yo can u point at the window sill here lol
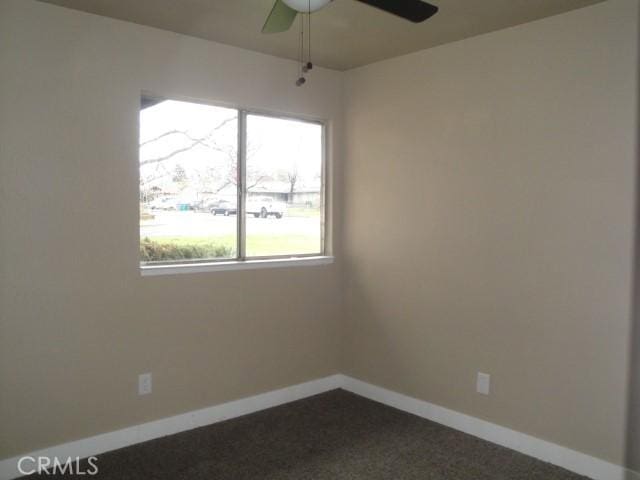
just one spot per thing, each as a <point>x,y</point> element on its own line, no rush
<point>154,270</point>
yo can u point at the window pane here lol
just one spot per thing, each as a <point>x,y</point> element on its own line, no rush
<point>284,187</point>
<point>188,182</point>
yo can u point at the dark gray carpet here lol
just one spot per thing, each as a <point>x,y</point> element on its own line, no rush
<point>333,436</point>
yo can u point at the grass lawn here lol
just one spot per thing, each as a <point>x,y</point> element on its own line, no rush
<point>187,248</point>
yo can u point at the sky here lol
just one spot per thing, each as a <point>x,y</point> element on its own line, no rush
<point>274,144</point>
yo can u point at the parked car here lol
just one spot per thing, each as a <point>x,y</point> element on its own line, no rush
<point>223,207</point>
<point>265,206</point>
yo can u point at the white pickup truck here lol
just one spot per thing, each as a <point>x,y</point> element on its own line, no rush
<point>265,206</point>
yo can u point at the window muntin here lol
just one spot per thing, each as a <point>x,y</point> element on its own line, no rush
<point>202,166</point>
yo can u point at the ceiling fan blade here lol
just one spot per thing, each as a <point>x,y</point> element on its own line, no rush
<point>414,10</point>
<point>280,19</point>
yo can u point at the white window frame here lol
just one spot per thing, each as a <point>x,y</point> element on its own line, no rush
<point>241,261</point>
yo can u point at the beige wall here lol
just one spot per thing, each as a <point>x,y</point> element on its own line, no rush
<point>633,421</point>
<point>78,322</point>
<point>488,199</point>
<point>489,222</point>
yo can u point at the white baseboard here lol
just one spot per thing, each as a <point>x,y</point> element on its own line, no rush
<point>534,447</point>
<point>549,452</point>
<point>168,426</point>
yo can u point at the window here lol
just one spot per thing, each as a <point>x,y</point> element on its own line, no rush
<point>221,184</point>
<point>283,180</point>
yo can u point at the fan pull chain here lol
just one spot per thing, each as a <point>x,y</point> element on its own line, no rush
<point>305,67</point>
<point>301,80</point>
<point>308,66</point>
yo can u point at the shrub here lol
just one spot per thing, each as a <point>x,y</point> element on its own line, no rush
<point>152,251</point>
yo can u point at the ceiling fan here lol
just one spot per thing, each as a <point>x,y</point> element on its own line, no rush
<point>284,12</point>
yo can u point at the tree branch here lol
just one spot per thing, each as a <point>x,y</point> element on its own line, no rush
<point>256,183</point>
<point>159,137</point>
<point>194,143</point>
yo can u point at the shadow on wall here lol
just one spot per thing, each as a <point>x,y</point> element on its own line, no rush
<point>633,418</point>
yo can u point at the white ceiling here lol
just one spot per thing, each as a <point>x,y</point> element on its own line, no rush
<point>346,33</point>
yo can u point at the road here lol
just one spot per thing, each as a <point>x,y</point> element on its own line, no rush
<point>200,224</point>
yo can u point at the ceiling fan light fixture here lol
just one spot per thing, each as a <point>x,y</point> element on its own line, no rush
<point>307,6</point>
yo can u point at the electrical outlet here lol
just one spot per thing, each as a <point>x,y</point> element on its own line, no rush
<point>144,384</point>
<point>483,383</point>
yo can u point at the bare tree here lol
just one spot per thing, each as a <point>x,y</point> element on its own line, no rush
<point>293,178</point>
<point>206,141</point>
<point>180,176</point>
<point>213,179</point>
<point>162,170</point>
